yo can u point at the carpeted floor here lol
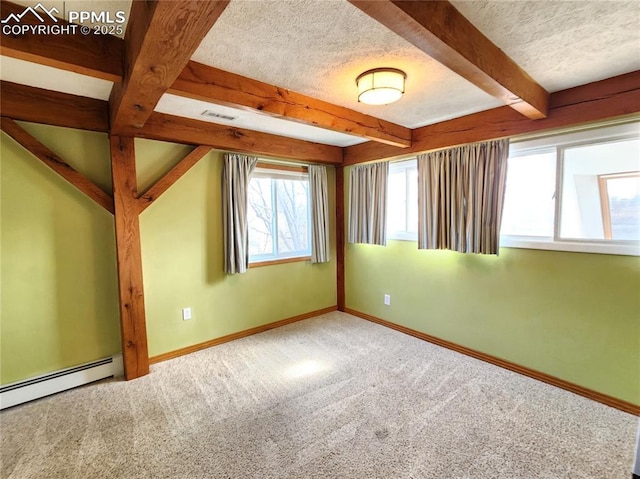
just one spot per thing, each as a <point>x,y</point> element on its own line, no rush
<point>329,397</point>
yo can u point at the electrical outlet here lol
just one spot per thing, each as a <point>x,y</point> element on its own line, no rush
<point>186,314</point>
<point>387,299</point>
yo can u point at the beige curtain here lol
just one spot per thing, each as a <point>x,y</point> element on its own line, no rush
<point>319,195</point>
<point>460,197</point>
<point>236,173</point>
<point>368,203</point>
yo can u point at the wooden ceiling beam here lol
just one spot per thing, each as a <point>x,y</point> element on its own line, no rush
<point>98,56</point>
<point>443,33</point>
<point>612,98</point>
<point>205,83</point>
<point>36,105</point>
<point>194,132</point>
<point>160,39</point>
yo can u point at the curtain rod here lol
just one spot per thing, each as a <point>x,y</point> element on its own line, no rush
<point>282,167</point>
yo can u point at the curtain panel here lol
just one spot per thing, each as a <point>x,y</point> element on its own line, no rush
<point>319,195</point>
<point>236,173</point>
<point>368,203</point>
<point>460,197</point>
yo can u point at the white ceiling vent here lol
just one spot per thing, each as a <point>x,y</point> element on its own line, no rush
<point>213,114</point>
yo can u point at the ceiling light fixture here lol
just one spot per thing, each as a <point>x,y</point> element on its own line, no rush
<point>380,86</point>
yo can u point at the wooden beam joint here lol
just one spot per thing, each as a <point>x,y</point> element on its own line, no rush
<point>161,37</point>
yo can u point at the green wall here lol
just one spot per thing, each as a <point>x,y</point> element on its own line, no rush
<point>59,303</point>
<point>572,315</point>
<point>182,265</point>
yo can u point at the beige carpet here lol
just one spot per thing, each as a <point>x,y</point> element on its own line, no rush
<point>330,397</point>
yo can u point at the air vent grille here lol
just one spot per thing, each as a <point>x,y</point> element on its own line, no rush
<point>213,114</point>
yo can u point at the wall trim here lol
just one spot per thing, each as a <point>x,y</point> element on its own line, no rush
<point>525,371</point>
<point>240,334</point>
<point>58,381</point>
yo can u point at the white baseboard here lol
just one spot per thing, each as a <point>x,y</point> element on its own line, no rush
<point>47,384</point>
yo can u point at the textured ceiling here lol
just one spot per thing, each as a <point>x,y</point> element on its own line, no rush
<point>562,44</point>
<point>319,48</point>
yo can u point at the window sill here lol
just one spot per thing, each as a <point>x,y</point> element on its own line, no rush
<point>259,264</point>
<point>550,245</point>
<point>570,246</point>
<point>402,236</point>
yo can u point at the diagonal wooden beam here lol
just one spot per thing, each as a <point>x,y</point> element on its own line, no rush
<point>205,83</point>
<point>194,132</point>
<point>616,97</point>
<point>443,33</point>
<point>57,164</point>
<point>161,37</point>
<point>164,183</point>
<point>36,105</point>
<point>99,56</point>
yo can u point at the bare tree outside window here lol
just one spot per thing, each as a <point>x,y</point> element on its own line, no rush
<point>278,217</point>
<point>260,217</point>
<point>293,215</point>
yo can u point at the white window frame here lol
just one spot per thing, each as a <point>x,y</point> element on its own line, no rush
<point>395,166</point>
<point>561,142</point>
<point>274,173</point>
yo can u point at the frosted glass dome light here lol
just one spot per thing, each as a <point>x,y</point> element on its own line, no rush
<point>380,86</point>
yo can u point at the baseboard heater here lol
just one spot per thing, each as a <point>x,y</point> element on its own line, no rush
<point>47,384</point>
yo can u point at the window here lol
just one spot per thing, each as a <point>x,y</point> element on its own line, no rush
<point>402,200</point>
<point>620,203</point>
<point>278,215</point>
<point>577,191</point>
<point>529,197</point>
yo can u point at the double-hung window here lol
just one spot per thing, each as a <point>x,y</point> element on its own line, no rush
<point>278,214</point>
<point>577,191</point>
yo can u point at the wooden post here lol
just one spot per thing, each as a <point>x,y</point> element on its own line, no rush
<point>129,255</point>
<point>340,243</point>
